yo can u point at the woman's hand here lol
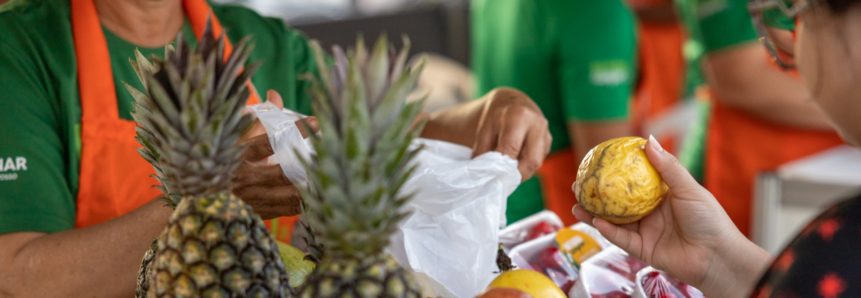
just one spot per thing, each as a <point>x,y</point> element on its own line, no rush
<point>504,120</point>
<point>261,185</point>
<point>689,235</point>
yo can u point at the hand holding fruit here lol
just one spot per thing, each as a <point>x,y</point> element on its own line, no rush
<point>616,182</point>
<point>541,229</point>
<point>688,235</point>
<point>261,185</point>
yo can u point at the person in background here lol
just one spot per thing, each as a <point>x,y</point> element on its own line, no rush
<point>661,66</point>
<point>761,117</point>
<point>77,210</point>
<point>576,60</point>
<point>692,238</point>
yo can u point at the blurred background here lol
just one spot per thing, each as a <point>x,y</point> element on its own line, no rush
<point>783,194</point>
<point>438,30</point>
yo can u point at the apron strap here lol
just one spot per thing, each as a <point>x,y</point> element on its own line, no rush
<point>197,12</point>
<point>98,95</point>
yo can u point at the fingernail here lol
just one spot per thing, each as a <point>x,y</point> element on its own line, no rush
<point>657,145</point>
<point>593,221</point>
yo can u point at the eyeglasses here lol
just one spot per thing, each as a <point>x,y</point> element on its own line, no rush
<point>779,14</point>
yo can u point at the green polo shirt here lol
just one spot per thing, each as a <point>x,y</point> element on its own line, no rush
<point>40,109</point>
<point>574,58</point>
<point>712,25</point>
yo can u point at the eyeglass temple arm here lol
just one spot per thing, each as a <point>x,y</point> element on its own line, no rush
<point>759,6</point>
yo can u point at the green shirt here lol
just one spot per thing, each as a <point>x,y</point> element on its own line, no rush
<point>574,58</point>
<point>712,25</point>
<point>40,109</point>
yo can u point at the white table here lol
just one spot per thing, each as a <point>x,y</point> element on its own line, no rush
<point>787,199</point>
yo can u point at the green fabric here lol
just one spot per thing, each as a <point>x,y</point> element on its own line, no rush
<point>119,50</point>
<point>775,18</point>
<point>712,25</point>
<point>692,156</point>
<point>574,58</point>
<point>526,200</point>
<point>724,23</point>
<point>40,107</point>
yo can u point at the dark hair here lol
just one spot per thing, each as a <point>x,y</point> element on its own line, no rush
<point>841,6</point>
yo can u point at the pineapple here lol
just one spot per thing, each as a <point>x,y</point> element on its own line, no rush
<point>189,120</point>
<point>363,157</point>
<point>145,271</point>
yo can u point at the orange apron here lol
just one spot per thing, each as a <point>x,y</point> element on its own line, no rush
<point>740,145</point>
<point>557,174</point>
<point>660,75</point>
<point>114,179</point>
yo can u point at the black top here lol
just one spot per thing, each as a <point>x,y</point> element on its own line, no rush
<point>823,261</point>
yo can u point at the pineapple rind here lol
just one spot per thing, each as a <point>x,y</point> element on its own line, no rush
<point>201,261</point>
<point>378,276</point>
<point>189,120</point>
<point>145,271</point>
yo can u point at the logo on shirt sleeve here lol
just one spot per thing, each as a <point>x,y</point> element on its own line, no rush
<point>609,73</point>
<point>708,8</point>
<point>10,166</point>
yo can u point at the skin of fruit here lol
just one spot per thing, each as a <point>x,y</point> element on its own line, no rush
<point>504,293</point>
<point>528,281</point>
<point>541,229</point>
<point>547,259</point>
<point>616,182</point>
<point>294,261</point>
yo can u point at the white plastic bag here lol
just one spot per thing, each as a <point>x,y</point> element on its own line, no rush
<point>284,136</point>
<point>450,239</point>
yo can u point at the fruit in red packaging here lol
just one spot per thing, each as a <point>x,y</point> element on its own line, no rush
<point>560,278</point>
<point>567,286</point>
<point>541,229</point>
<point>624,269</point>
<point>614,294</point>
<point>689,291</point>
<point>550,258</point>
<point>504,293</point>
<point>657,286</point>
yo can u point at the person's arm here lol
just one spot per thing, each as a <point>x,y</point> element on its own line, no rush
<point>97,261</point>
<point>504,120</point>
<point>737,69</point>
<point>597,72</point>
<point>689,235</point>
<point>41,254</point>
<point>587,135</point>
<point>742,78</point>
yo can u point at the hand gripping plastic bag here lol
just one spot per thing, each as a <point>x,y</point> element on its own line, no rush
<point>284,136</point>
<point>451,238</point>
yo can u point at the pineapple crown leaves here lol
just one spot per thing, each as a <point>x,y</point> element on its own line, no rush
<point>189,119</point>
<point>363,153</point>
